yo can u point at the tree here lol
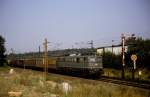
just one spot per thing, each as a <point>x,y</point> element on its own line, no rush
<point>111,60</point>
<point>2,51</point>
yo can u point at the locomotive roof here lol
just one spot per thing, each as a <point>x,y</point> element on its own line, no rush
<point>79,56</point>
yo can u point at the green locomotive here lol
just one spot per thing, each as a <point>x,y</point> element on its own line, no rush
<point>83,65</point>
<point>78,65</point>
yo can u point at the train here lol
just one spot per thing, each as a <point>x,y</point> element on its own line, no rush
<point>89,65</point>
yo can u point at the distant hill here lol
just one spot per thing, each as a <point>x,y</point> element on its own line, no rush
<point>65,52</point>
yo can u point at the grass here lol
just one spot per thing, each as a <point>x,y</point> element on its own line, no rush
<point>31,83</point>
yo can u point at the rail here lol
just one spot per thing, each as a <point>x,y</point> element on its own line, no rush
<point>125,82</point>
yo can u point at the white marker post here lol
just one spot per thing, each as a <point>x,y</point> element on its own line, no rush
<point>140,74</point>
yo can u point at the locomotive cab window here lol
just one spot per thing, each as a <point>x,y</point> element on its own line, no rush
<point>92,59</point>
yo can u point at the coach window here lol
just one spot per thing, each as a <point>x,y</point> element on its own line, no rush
<point>58,59</point>
<point>74,60</point>
<point>78,60</point>
<point>69,59</point>
<point>63,59</point>
<point>81,59</point>
<point>85,59</point>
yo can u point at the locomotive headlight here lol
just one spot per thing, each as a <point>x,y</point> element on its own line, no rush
<point>96,64</point>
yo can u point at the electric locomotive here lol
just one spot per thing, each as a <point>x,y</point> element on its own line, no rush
<point>89,65</point>
<point>81,65</point>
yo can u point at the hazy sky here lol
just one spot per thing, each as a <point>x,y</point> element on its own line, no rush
<point>25,23</point>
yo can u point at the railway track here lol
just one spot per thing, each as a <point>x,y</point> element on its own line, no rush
<point>125,82</point>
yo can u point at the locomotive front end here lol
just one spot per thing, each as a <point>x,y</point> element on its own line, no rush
<point>95,65</point>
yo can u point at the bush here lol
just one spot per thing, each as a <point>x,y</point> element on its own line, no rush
<point>111,60</point>
<point>2,51</point>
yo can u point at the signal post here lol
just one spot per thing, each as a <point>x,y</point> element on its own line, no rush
<point>45,58</point>
<point>133,58</point>
<point>123,56</point>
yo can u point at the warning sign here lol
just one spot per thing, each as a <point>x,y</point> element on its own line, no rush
<point>133,57</point>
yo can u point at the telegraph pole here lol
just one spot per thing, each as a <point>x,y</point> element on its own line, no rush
<point>12,55</point>
<point>123,56</point>
<point>91,43</point>
<point>45,58</point>
<point>39,51</point>
<point>112,46</point>
<point>103,54</point>
<point>112,52</point>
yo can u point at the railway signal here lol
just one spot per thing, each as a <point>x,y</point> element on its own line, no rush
<point>133,58</point>
<point>123,52</point>
<point>123,56</point>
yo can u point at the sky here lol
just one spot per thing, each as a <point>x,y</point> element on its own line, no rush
<point>71,23</point>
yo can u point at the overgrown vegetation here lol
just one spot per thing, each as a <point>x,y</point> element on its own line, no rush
<point>141,48</point>
<point>31,84</point>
